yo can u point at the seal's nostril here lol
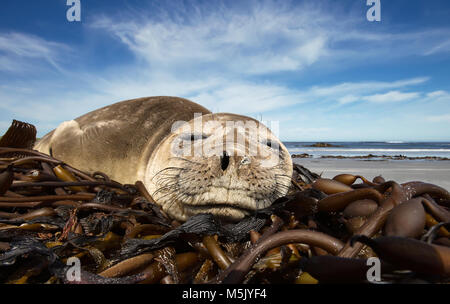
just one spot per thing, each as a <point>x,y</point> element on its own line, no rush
<point>224,160</point>
<point>245,160</point>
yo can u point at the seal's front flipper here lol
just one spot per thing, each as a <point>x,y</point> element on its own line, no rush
<point>20,135</point>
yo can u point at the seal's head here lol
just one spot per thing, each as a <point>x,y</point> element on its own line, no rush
<point>225,164</point>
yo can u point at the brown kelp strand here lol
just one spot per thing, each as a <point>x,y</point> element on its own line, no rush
<point>410,254</point>
<point>418,188</point>
<point>205,273</point>
<point>330,186</point>
<point>378,180</point>
<point>445,241</point>
<point>222,260</point>
<point>20,205</point>
<point>105,208</point>
<point>407,219</point>
<point>102,175</point>
<point>435,230</point>
<point>40,176</point>
<point>360,208</point>
<point>6,179</point>
<point>254,236</point>
<point>31,159</point>
<point>349,179</point>
<point>48,170</point>
<point>155,272</point>
<point>277,223</point>
<point>353,224</point>
<point>45,198</point>
<point>145,229</point>
<point>376,221</point>
<point>8,215</point>
<point>45,211</point>
<point>337,202</point>
<point>140,186</point>
<point>67,176</point>
<point>80,173</point>
<point>437,211</point>
<point>4,246</point>
<point>127,266</point>
<point>69,184</point>
<point>8,150</point>
<point>243,265</point>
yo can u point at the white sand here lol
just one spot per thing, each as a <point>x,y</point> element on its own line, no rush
<point>436,172</point>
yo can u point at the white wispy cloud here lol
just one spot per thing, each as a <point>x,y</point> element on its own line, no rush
<point>348,99</point>
<point>440,47</point>
<point>271,37</point>
<point>364,91</point>
<point>391,96</point>
<point>217,94</point>
<point>9,65</point>
<point>438,118</point>
<point>16,48</point>
<point>268,37</point>
<point>397,43</point>
<point>26,45</point>
<point>364,87</point>
<point>438,96</point>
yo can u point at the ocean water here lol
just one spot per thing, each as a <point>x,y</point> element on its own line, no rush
<point>389,148</point>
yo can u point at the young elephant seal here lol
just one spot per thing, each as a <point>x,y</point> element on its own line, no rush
<point>191,160</point>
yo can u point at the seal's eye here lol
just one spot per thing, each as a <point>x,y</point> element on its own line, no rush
<point>267,142</point>
<point>272,145</point>
<point>198,136</point>
<point>193,137</point>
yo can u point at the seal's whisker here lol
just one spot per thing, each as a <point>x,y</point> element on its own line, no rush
<point>170,177</point>
<point>165,181</point>
<point>283,175</point>
<point>167,169</point>
<point>165,188</point>
<point>282,185</point>
<point>186,160</point>
<point>168,197</point>
<point>175,197</point>
<point>278,166</point>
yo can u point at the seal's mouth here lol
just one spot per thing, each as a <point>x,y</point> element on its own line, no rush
<point>226,212</point>
<point>215,206</point>
<point>217,198</point>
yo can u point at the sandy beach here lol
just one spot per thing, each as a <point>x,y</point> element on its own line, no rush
<point>436,172</point>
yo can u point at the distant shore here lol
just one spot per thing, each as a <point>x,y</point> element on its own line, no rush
<point>372,157</point>
<point>323,145</point>
<point>435,172</point>
<point>373,151</point>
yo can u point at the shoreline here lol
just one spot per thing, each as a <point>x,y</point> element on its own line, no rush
<point>371,157</point>
<point>435,172</point>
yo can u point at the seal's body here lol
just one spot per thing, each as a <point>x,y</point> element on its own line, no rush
<point>201,165</point>
<point>118,139</point>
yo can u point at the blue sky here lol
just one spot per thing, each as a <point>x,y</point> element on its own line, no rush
<point>319,68</point>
